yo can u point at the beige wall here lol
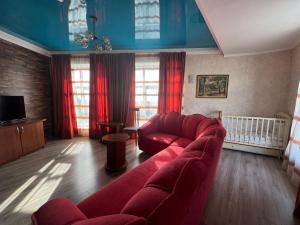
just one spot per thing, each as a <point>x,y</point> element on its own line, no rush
<point>294,80</point>
<point>258,85</point>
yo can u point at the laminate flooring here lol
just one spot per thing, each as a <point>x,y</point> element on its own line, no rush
<point>248,190</point>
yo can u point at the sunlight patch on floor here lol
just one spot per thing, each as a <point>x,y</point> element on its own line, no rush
<point>24,186</point>
<point>44,189</point>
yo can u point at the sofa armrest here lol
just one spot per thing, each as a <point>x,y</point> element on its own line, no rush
<point>116,219</point>
<point>150,127</point>
<point>60,211</point>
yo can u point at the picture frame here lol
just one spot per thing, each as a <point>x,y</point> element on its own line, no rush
<point>212,86</point>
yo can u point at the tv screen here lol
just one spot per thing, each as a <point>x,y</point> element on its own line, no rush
<point>11,108</point>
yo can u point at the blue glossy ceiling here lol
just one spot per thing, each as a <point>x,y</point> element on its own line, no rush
<point>45,23</point>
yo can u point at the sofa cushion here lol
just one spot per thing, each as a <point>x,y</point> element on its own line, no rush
<point>118,192</point>
<point>117,219</point>
<point>155,142</point>
<point>171,123</point>
<point>214,130</point>
<point>161,205</point>
<point>145,201</point>
<point>162,138</point>
<point>179,207</point>
<point>204,124</point>
<point>166,177</point>
<point>181,142</point>
<point>58,211</point>
<point>203,146</point>
<point>190,124</point>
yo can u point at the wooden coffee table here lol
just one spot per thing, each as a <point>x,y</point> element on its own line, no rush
<point>116,151</point>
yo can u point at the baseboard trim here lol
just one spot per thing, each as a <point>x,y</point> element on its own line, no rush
<point>252,149</point>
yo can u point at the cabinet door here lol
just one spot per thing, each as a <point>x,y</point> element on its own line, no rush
<point>32,137</point>
<point>10,144</point>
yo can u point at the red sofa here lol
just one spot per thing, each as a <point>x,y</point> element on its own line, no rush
<point>170,188</point>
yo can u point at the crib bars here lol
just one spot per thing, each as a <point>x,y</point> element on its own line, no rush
<point>263,132</point>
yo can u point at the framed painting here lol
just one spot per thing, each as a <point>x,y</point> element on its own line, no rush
<point>212,86</point>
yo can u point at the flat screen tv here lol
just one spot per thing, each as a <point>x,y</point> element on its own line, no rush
<point>12,108</point>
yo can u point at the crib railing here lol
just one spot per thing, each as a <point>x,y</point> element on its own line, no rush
<point>257,131</point>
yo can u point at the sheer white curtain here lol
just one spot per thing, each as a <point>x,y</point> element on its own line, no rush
<point>292,154</point>
<point>77,18</point>
<point>80,67</point>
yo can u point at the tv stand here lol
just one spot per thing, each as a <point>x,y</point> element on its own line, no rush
<point>19,138</point>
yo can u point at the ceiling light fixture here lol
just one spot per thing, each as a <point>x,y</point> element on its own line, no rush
<point>89,38</point>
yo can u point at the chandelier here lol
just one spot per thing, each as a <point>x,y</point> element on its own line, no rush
<point>88,39</point>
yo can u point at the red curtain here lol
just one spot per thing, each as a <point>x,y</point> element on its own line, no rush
<point>171,76</point>
<point>112,91</point>
<point>99,110</point>
<point>64,119</point>
<point>121,71</point>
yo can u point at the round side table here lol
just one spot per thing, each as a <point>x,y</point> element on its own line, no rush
<point>116,151</point>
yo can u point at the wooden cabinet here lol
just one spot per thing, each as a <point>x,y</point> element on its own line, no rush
<point>10,144</point>
<point>32,137</point>
<point>20,139</point>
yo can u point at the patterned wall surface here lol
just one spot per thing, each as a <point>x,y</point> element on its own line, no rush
<point>295,77</point>
<point>258,85</point>
<point>25,73</point>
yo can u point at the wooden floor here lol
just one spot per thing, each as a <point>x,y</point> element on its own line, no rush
<point>248,190</point>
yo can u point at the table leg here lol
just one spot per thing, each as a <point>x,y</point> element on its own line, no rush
<point>116,156</point>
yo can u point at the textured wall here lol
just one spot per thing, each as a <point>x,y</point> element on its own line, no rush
<point>258,85</point>
<point>25,73</point>
<point>295,77</point>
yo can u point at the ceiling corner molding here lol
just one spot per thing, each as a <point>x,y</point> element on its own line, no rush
<point>203,51</point>
<point>258,53</point>
<point>189,51</point>
<point>25,44</point>
<point>297,43</point>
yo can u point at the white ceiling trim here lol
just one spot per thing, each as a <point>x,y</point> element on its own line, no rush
<point>20,42</point>
<point>189,51</point>
<point>259,53</point>
<point>25,44</point>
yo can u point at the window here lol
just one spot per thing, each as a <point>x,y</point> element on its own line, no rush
<point>146,86</point>
<point>147,19</point>
<point>81,89</point>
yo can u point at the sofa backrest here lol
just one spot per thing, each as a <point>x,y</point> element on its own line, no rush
<point>190,124</point>
<point>209,126</point>
<point>171,123</point>
<point>174,185</point>
<point>182,184</point>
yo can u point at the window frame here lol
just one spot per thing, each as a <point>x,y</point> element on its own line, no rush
<point>145,68</point>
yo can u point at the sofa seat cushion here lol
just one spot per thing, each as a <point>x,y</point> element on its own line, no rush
<point>155,142</point>
<point>181,142</point>
<point>162,138</point>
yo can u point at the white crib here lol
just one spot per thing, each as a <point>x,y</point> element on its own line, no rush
<point>261,135</point>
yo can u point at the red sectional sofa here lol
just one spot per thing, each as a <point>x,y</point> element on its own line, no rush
<point>170,188</point>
